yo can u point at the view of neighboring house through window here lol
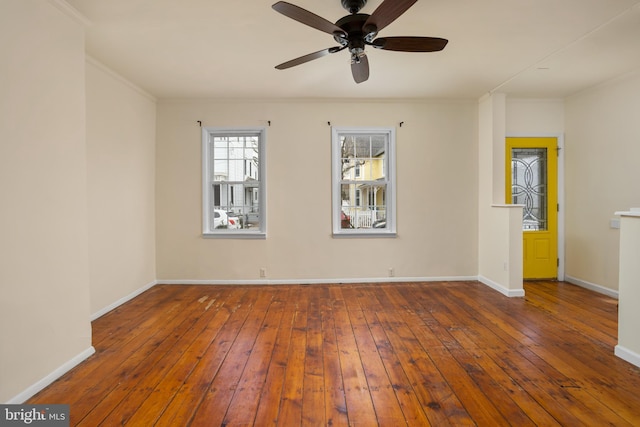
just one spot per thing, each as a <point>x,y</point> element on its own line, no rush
<point>363,181</point>
<point>233,182</point>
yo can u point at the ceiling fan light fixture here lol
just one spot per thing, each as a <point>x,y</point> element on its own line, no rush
<point>356,57</point>
<point>370,31</point>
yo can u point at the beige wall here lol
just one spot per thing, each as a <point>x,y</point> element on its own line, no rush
<point>436,196</point>
<point>44,308</point>
<point>534,117</point>
<point>121,179</point>
<point>499,229</point>
<point>602,145</point>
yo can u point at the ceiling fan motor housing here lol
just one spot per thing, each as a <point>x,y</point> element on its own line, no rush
<point>352,25</point>
<point>353,6</point>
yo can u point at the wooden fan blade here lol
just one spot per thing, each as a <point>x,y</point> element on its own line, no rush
<point>387,12</point>
<point>410,44</point>
<point>360,69</point>
<point>308,57</point>
<point>308,18</point>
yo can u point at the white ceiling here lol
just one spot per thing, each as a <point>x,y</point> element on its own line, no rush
<point>228,48</point>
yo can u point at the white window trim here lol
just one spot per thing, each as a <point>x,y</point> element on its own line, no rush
<point>260,233</point>
<point>389,166</point>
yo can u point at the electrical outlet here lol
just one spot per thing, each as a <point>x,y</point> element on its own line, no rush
<point>392,272</point>
<point>263,272</point>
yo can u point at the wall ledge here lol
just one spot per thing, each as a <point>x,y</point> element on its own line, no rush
<point>635,212</point>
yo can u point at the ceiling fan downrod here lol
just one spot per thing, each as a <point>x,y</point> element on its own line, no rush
<point>353,6</point>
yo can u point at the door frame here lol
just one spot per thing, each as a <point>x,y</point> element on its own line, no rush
<point>561,230</point>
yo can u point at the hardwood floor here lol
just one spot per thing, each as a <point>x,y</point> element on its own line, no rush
<point>417,354</point>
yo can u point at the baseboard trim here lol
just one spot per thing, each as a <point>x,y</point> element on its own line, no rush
<point>591,286</point>
<point>122,300</point>
<point>628,355</point>
<point>511,293</point>
<point>44,382</point>
<point>317,281</point>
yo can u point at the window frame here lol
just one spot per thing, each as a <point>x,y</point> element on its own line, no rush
<point>389,167</point>
<point>207,181</point>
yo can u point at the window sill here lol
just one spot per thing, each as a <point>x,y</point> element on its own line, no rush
<point>235,235</point>
<point>365,234</point>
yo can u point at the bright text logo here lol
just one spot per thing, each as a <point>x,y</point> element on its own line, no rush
<point>34,415</point>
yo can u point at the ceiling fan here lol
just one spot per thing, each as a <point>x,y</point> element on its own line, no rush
<point>357,30</point>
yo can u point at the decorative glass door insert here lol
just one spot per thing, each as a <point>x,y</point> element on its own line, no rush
<point>529,185</point>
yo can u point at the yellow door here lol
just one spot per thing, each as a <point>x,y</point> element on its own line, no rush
<point>531,179</point>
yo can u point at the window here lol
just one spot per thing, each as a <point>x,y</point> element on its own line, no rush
<point>233,184</point>
<point>363,181</point>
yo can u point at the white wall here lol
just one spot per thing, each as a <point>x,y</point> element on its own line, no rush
<point>499,225</point>
<point>534,117</point>
<point>44,275</point>
<point>436,193</point>
<point>121,122</point>
<point>602,145</point>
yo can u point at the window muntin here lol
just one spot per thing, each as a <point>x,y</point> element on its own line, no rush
<point>363,181</point>
<point>233,182</point>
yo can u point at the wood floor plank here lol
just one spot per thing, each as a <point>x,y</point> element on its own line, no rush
<point>356,389</point>
<point>516,404</point>
<point>437,399</point>
<point>126,398</point>
<point>601,330</point>
<point>165,391</point>
<point>438,353</point>
<point>269,405</point>
<point>400,384</point>
<point>385,402</point>
<point>187,400</point>
<point>593,369</point>
<point>481,408</point>
<point>213,407</point>
<point>130,358</point>
<point>336,404</point>
<point>313,408</point>
<point>290,412</point>
<point>243,406</point>
<point>130,313</point>
<point>557,383</point>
